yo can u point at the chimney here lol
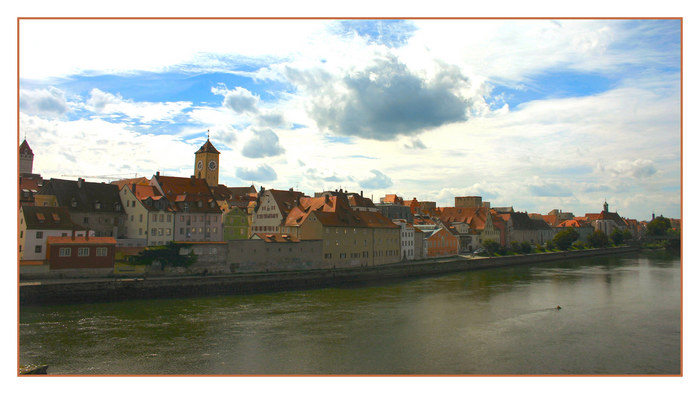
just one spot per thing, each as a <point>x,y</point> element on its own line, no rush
<point>72,235</point>
<point>87,234</point>
<point>157,174</point>
<point>291,189</point>
<point>361,193</point>
<point>80,182</point>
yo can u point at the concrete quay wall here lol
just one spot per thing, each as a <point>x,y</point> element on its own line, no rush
<point>87,290</point>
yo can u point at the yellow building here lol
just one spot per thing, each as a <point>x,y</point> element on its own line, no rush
<point>350,238</point>
<point>206,164</point>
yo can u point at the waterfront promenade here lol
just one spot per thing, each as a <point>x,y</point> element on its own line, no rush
<point>39,292</point>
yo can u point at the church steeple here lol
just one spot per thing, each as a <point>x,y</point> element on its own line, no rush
<point>206,163</point>
<point>26,158</point>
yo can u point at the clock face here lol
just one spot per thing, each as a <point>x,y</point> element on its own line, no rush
<point>212,165</point>
<point>199,165</point>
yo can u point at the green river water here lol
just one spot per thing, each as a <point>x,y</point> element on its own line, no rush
<point>619,315</point>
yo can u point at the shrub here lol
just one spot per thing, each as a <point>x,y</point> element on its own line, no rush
<point>598,239</point>
<point>564,239</point>
<point>525,247</point>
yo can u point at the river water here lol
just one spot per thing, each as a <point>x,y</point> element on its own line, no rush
<point>619,315</point>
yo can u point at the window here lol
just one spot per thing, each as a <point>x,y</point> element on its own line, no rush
<point>140,231</point>
<point>85,220</point>
<point>37,249</point>
<point>161,217</point>
<point>168,231</point>
<point>160,231</point>
<point>39,234</point>
<point>170,217</point>
<point>84,252</point>
<point>153,232</point>
<point>21,234</point>
<point>101,251</point>
<point>141,218</point>
<point>64,252</point>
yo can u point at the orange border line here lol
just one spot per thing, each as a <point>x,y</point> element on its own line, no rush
<point>355,18</point>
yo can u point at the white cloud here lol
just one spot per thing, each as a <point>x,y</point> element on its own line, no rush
<point>109,104</point>
<point>49,102</point>
<point>263,144</point>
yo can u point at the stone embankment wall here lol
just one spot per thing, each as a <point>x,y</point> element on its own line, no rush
<point>86,290</point>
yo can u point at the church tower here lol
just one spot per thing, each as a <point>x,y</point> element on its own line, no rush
<point>206,163</point>
<point>26,158</point>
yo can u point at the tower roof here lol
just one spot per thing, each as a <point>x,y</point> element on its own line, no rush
<point>24,148</point>
<point>208,147</point>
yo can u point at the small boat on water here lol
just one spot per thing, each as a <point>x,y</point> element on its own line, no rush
<point>33,369</point>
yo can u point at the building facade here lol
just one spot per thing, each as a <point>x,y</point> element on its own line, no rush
<point>36,224</point>
<point>197,217</point>
<point>77,252</point>
<point>95,206</point>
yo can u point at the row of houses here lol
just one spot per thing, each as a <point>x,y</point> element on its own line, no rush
<point>244,229</point>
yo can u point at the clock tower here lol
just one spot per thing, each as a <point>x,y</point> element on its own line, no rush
<point>206,163</point>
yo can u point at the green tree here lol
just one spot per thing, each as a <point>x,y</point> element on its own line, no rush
<point>617,236</point>
<point>565,238</point>
<point>525,247</point>
<point>598,239</point>
<point>166,255</point>
<point>491,246</point>
<point>515,247</point>
<point>658,226</point>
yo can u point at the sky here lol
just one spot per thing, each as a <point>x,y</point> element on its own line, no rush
<point>536,114</point>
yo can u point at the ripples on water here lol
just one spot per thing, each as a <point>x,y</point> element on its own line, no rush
<point>619,315</point>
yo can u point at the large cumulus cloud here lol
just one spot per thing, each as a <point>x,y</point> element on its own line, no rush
<point>264,143</point>
<point>384,100</point>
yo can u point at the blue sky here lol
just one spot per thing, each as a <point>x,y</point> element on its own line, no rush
<point>535,114</point>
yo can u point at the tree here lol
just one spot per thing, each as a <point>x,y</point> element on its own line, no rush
<point>525,247</point>
<point>565,238</point>
<point>597,239</point>
<point>658,226</point>
<point>166,255</point>
<point>515,247</point>
<point>491,246</point>
<point>617,236</point>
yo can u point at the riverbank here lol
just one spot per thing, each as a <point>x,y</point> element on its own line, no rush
<point>111,289</point>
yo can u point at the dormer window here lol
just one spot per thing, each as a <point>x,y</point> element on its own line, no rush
<point>199,204</point>
<point>73,203</point>
<point>117,207</point>
<point>98,205</point>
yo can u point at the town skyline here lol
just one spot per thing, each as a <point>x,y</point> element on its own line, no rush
<point>589,112</point>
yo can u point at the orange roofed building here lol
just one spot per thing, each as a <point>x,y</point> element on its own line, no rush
<point>197,216</point>
<point>76,252</point>
<point>479,221</point>
<point>350,238</point>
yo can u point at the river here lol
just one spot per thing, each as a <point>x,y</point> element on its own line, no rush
<point>619,315</point>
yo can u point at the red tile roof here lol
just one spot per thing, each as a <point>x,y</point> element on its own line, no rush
<point>278,238</point>
<point>474,217</point>
<point>80,240</point>
<point>189,193</point>
<point>130,181</point>
<point>333,211</point>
